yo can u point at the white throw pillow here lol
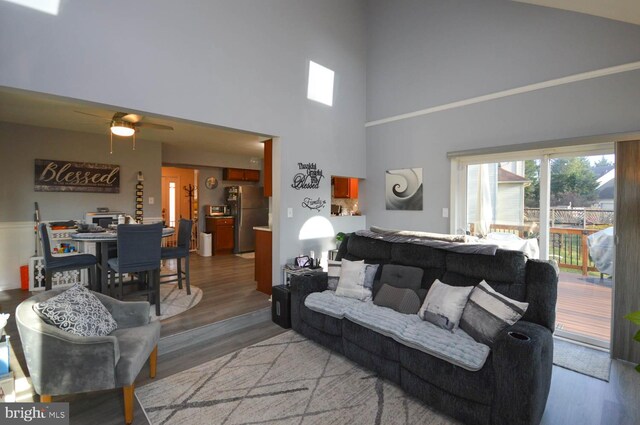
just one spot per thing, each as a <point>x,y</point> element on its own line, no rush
<point>444,305</point>
<point>351,283</point>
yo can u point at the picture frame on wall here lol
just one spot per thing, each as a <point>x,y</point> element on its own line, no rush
<point>403,189</point>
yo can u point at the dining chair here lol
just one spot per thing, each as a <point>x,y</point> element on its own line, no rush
<point>138,253</point>
<point>55,264</point>
<point>179,252</point>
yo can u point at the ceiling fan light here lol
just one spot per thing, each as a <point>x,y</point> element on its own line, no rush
<point>122,128</point>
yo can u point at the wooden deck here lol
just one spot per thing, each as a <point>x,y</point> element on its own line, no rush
<point>584,305</point>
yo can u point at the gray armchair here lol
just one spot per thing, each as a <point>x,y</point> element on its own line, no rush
<point>62,363</point>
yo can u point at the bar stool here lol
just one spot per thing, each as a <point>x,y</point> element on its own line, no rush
<point>55,264</point>
<point>138,252</point>
<point>179,252</point>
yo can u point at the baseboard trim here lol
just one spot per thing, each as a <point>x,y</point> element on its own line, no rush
<point>183,340</point>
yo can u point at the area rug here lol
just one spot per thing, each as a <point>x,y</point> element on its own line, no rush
<point>581,359</point>
<point>174,301</point>
<point>287,379</point>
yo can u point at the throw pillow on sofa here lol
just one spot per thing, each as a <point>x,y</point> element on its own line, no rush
<point>78,312</point>
<point>351,283</point>
<point>333,274</point>
<point>488,312</point>
<point>402,300</point>
<point>444,305</point>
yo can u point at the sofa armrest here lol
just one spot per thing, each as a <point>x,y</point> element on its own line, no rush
<point>522,362</point>
<point>301,286</point>
<point>128,314</point>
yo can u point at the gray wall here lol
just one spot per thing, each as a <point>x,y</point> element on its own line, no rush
<point>427,53</point>
<point>20,145</point>
<point>239,64</point>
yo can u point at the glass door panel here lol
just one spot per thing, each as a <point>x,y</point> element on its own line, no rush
<point>581,242</point>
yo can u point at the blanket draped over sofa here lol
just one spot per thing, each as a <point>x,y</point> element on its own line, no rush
<point>507,384</point>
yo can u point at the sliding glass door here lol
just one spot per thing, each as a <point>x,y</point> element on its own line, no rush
<point>581,216</point>
<point>557,206</point>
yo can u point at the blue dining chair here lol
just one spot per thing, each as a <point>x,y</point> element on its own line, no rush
<point>179,252</point>
<point>55,264</point>
<point>138,252</point>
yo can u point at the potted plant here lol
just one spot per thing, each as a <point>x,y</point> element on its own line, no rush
<point>635,318</point>
<point>339,238</point>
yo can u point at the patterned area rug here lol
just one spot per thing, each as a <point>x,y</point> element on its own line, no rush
<point>581,359</point>
<point>283,380</point>
<point>174,301</point>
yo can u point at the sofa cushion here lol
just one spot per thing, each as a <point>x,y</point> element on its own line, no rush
<point>402,300</point>
<point>444,305</point>
<point>400,277</point>
<point>78,312</point>
<point>488,312</point>
<point>457,348</point>
<point>375,251</point>
<point>322,322</point>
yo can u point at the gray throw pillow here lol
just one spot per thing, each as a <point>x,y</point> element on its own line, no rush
<point>402,300</point>
<point>488,312</point>
<point>78,312</point>
<point>444,305</point>
<point>370,275</point>
<point>333,272</point>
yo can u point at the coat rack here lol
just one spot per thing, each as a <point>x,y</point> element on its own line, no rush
<point>190,190</point>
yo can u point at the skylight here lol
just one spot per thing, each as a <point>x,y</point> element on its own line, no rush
<point>320,84</point>
<point>47,6</point>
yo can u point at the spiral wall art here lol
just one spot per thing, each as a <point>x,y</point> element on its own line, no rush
<point>403,189</point>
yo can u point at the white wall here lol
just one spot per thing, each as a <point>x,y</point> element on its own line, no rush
<point>239,64</point>
<point>425,53</point>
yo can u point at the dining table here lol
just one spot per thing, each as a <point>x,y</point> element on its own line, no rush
<point>103,239</point>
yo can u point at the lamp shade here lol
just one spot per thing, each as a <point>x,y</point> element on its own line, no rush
<point>122,128</point>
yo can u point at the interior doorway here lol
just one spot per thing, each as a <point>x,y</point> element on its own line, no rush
<point>180,200</point>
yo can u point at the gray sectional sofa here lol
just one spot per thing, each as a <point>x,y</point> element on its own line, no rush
<point>512,386</point>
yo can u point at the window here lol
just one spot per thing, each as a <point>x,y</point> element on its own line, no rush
<point>320,86</point>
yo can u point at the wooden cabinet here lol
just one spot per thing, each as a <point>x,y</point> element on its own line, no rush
<point>263,268</point>
<point>345,187</point>
<point>268,168</point>
<point>241,174</point>
<point>223,234</point>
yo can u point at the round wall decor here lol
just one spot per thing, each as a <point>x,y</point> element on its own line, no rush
<point>211,183</point>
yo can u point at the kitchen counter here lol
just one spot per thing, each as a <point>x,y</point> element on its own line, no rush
<point>263,228</point>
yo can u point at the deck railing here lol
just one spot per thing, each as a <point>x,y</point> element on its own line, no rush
<point>568,246</point>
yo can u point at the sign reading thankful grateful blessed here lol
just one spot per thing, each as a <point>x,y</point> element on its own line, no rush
<point>66,176</point>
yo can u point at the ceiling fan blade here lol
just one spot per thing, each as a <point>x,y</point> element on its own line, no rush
<point>154,126</point>
<point>133,118</point>
<point>90,114</point>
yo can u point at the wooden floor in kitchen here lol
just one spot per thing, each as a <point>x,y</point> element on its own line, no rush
<point>228,290</point>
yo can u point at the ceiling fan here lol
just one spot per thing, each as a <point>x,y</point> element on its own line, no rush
<point>124,124</point>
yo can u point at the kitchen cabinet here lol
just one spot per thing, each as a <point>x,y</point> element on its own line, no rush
<point>241,174</point>
<point>222,230</point>
<point>263,268</point>
<point>268,168</point>
<point>345,187</point>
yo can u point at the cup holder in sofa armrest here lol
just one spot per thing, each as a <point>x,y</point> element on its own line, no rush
<point>518,336</point>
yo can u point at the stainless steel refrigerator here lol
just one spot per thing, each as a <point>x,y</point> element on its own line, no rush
<point>250,208</point>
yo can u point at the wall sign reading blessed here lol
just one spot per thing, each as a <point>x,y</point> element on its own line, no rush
<point>308,178</point>
<point>66,176</point>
